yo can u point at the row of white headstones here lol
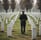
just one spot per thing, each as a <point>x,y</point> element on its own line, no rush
<point>35,15</point>
<point>33,25</point>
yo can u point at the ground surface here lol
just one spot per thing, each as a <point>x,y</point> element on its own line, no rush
<point>16,34</point>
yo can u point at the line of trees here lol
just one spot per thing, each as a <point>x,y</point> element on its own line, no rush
<point>6,5</point>
<point>39,4</point>
<point>0,6</point>
<point>23,4</point>
<point>13,4</point>
<point>26,4</point>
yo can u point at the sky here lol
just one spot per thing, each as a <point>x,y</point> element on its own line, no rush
<point>35,1</point>
<point>18,1</point>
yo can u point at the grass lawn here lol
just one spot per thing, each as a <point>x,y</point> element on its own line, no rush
<point>17,33</point>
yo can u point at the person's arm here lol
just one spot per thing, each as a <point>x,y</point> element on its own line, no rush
<point>26,17</point>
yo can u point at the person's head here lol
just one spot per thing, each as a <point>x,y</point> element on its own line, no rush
<point>22,12</point>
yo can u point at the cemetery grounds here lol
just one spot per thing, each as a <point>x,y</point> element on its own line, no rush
<point>16,33</point>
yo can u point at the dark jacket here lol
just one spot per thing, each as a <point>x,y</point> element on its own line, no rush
<point>23,19</point>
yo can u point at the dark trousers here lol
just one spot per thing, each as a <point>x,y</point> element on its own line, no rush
<point>23,29</point>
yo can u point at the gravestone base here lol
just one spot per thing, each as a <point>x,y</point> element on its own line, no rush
<point>10,36</point>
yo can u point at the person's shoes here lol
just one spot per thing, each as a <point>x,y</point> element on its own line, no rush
<point>23,32</point>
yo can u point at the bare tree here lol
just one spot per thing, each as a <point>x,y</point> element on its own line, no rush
<point>39,4</point>
<point>22,5</point>
<point>26,4</point>
<point>6,5</point>
<point>13,5</point>
<point>0,6</point>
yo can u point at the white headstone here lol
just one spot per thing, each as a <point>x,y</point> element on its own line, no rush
<point>2,26</point>
<point>6,21</point>
<point>33,28</point>
<point>39,27</point>
<point>10,26</point>
<point>34,33</point>
<point>9,29</point>
<point>40,24</point>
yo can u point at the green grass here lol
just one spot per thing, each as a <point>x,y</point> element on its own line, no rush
<point>17,33</point>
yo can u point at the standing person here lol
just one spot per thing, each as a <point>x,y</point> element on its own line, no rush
<point>23,19</point>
